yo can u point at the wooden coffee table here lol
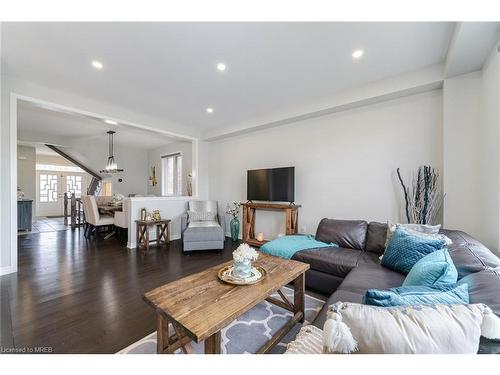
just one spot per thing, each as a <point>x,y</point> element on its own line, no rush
<point>200,305</point>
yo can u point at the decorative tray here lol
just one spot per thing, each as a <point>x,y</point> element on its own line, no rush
<point>226,275</point>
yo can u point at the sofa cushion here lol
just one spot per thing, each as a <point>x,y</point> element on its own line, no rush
<point>468,254</point>
<point>207,232</point>
<point>375,237</point>
<point>362,278</point>
<point>336,261</point>
<point>484,287</point>
<point>357,282</point>
<point>345,233</point>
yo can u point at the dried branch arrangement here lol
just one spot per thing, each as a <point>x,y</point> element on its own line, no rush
<point>423,199</point>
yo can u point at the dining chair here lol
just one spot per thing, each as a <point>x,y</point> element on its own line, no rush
<point>93,218</point>
<point>120,218</point>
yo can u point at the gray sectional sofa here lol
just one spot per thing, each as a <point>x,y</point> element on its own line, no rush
<point>347,272</point>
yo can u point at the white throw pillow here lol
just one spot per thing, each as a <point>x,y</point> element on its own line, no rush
<point>309,340</point>
<point>420,329</point>
<point>202,216</point>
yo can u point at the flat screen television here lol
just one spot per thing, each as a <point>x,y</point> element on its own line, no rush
<point>274,184</point>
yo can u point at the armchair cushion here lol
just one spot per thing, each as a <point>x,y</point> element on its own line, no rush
<point>203,224</point>
<point>203,233</point>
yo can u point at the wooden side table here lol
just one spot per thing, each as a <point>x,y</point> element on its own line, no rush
<point>142,232</point>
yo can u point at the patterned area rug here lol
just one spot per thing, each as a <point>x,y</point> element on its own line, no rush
<point>249,332</point>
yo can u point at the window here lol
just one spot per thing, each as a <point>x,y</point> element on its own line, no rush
<point>58,168</point>
<point>171,168</point>
<point>48,187</point>
<point>74,185</point>
<point>107,189</point>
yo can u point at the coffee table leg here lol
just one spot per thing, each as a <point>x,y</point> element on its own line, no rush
<point>213,344</point>
<point>161,334</point>
<point>299,295</point>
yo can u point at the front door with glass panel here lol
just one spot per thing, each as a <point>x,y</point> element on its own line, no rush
<point>52,185</point>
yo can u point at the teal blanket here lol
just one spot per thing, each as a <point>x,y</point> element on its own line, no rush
<point>286,246</point>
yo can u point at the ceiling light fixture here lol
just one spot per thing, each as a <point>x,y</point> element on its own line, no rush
<point>210,110</point>
<point>221,67</point>
<point>357,54</point>
<point>111,166</point>
<point>110,122</point>
<point>97,64</point>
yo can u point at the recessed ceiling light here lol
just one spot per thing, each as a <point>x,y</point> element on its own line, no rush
<point>210,110</point>
<point>221,67</point>
<point>357,54</point>
<point>97,64</point>
<point>111,122</point>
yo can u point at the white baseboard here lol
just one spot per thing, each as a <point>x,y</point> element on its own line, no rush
<point>7,270</point>
<point>133,245</point>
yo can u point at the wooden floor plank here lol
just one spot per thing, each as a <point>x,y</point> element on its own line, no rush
<point>85,296</point>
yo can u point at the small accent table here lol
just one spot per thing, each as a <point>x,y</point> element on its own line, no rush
<point>142,232</point>
<point>291,219</point>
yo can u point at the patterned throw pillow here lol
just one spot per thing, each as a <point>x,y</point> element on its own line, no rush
<point>425,229</point>
<point>435,269</point>
<point>202,216</point>
<point>309,340</point>
<point>405,249</point>
<point>418,295</point>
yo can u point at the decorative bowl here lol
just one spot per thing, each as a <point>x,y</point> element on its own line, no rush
<point>226,274</point>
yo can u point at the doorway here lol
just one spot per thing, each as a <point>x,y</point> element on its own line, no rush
<point>51,186</point>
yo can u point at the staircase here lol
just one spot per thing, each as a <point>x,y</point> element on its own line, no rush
<point>95,183</point>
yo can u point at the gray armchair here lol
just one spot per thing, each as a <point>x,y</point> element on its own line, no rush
<point>202,228</point>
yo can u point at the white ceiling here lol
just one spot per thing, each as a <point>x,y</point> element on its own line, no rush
<point>168,70</point>
<point>36,121</point>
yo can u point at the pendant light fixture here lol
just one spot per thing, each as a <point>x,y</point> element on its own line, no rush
<point>111,166</point>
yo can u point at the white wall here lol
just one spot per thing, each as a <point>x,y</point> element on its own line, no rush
<point>133,160</point>
<point>461,113</point>
<point>26,173</point>
<point>345,163</point>
<point>52,159</point>
<point>170,208</point>
<point>154,159</point>
<point>489,156</point>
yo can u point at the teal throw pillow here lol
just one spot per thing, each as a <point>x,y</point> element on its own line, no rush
<point>456,294</point>
<point>435,269</point>
<point>405,249</point>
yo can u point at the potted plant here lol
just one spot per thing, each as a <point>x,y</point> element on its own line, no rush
<point>234,225</point>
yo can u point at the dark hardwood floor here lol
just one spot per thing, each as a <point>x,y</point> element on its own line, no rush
<point>85,296</point>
